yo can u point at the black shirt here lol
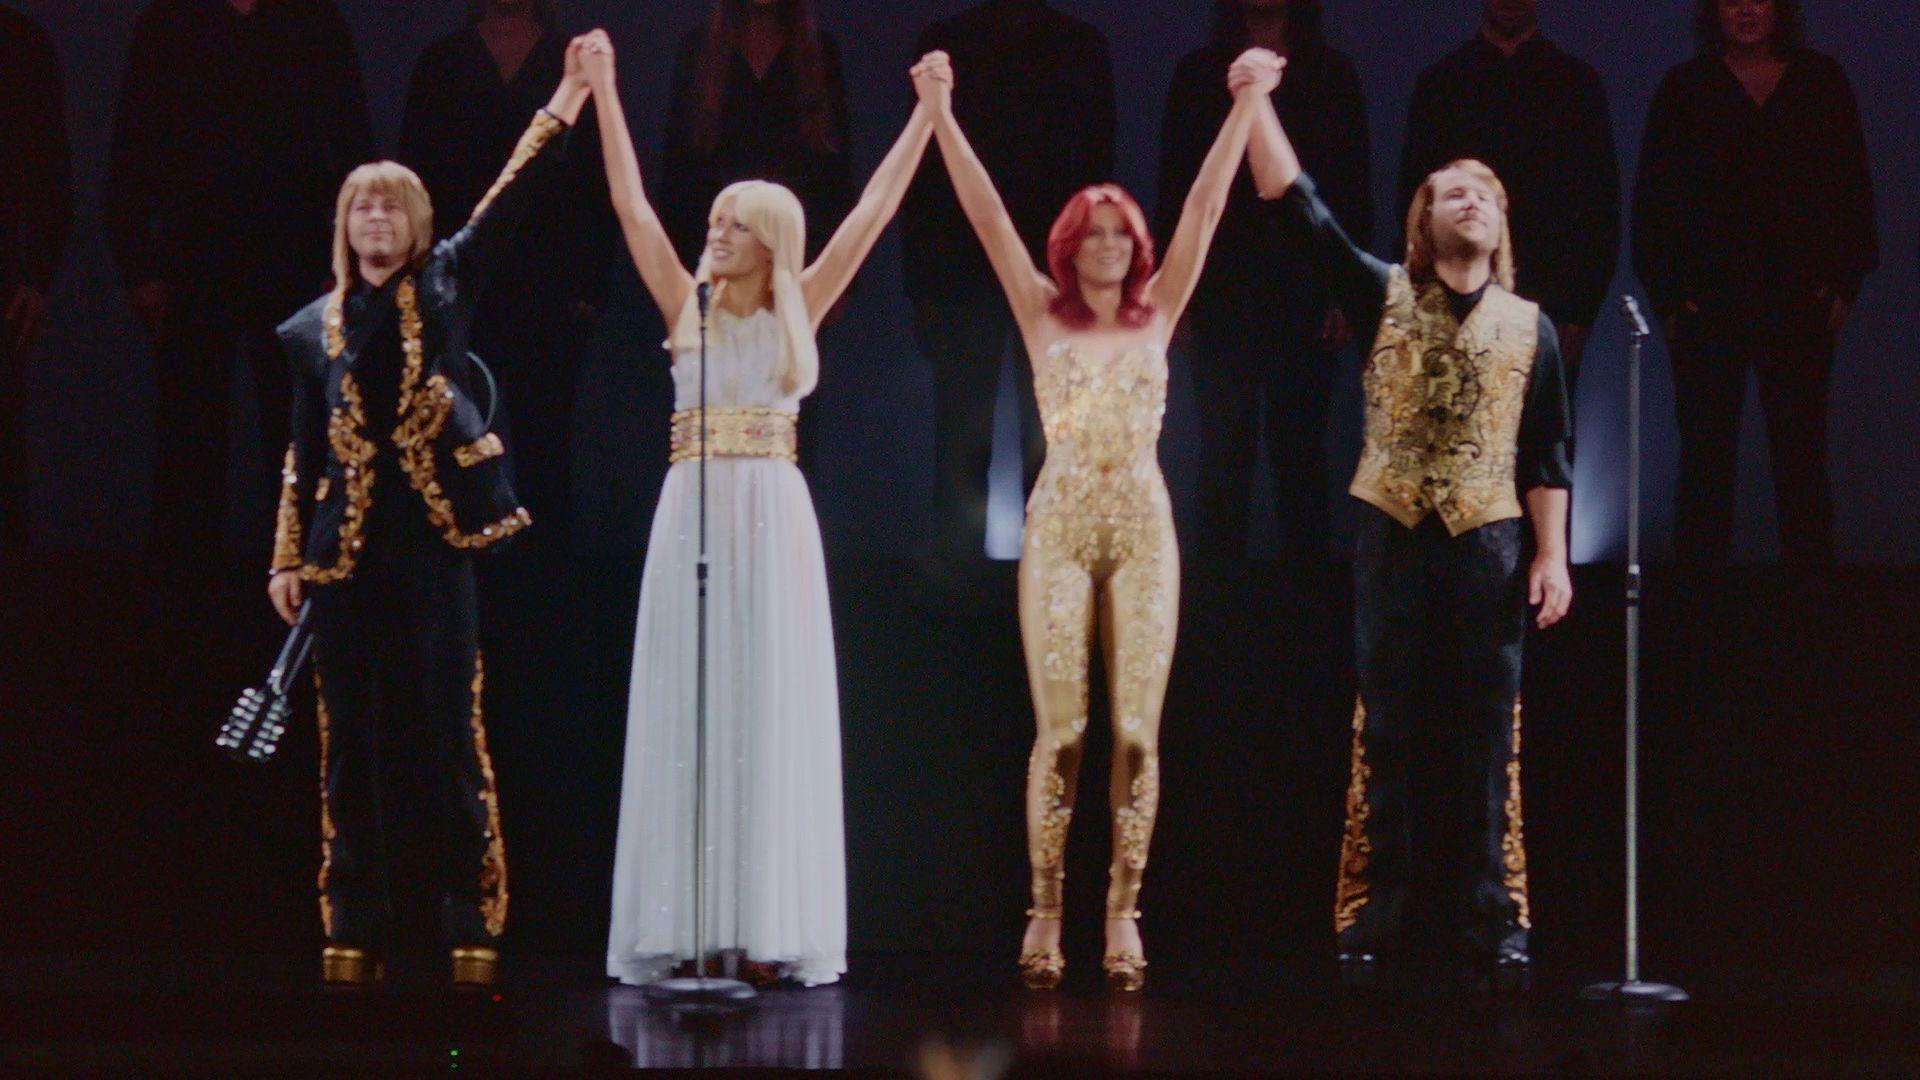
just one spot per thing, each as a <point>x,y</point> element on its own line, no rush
<point>233,129</point>
<point>1539,119</point>
<point>1035,95</point>
<point>761,137</point>
<point>1742,207</point>
<point>1358,282</point>
<point>36,186</point>
<point>1257,272</point>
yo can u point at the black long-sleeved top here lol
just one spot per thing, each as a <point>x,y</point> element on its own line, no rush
<point>1358,282</point>
<point>462,120</point>
<point>36,186</point>
<point>233,128</point>
<point>1256,270</point>
<point>1034,92</point>
<point>1539,118</point>
<point>1741,207</point>
<point>761,137</point>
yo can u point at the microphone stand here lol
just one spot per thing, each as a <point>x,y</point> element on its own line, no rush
<point>700,995</point>
<point>1632,989</point>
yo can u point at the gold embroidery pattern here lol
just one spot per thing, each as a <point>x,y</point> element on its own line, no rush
<point>479,450</point>
<point>1136,818</point>
<point>1099,518</point>
<point>493,868</point>
<point>1356,848</point>
<point>423,413</point>
<point>1050,825</point>
<point>1513,846</point>
<point>736,431</point>
<point>1100,497</point>
<point>1444,401</point>
<point>355,453</point>
<point>286,526</point>
<point>544,127</point>
<point>327,832</point>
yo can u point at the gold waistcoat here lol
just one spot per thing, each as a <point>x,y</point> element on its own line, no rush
<point>1444,400</point>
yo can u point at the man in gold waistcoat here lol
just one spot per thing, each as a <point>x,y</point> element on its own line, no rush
<point>1467,433</point>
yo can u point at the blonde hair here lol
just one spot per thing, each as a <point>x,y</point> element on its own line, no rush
<point>381,178</point>
<point>1420,245</point>
<point>775,218</point>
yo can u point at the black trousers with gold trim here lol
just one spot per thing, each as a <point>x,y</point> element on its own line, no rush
<point>400,679</point>
<point>1439,624</point>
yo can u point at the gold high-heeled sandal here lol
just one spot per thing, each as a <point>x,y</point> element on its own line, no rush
<point>1042,969</point>
<point>1127,970</point>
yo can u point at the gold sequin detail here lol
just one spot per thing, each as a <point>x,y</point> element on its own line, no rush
<point>1050,845</point>
<point>485,447</point>
<point>1443,406</point>
<point>736,431</point>
<point>286,526</point>
<point>1135,820</point>
<point>1513,846</point>
<point>355,453</point>
<point>327,832</point>
<point>493,867</point>
<point>423,415</point>
<point>1356,848</point>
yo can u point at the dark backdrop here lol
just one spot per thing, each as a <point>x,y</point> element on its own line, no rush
<point>91,385</point>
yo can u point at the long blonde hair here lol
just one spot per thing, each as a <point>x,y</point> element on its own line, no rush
<point>381,178</point>
<point>1420,246</point>
<point>775,218</point>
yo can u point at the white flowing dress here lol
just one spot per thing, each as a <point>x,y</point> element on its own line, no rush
<point>776,848</point>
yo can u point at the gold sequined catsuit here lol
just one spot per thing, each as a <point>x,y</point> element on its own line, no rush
<point>1099,552</point>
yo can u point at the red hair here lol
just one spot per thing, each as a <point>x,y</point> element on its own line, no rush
<point>1063,243</point>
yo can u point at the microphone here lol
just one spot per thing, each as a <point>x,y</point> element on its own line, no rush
<point>1631,309</point>
<point>703,295</point>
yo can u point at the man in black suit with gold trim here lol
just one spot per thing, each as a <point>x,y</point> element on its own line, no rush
<point>390,484</point>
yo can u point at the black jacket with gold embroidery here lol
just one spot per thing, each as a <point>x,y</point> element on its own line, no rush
<point>451,462</point>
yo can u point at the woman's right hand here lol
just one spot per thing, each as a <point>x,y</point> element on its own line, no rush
<point>286,590</point>
<point>933,81</point>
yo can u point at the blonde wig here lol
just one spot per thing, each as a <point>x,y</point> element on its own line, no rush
<point>775,218</point>
<point>1420,245</point>
<point>381,178</point>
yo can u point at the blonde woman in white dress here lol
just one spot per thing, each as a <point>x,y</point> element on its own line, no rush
<point>775,837</point>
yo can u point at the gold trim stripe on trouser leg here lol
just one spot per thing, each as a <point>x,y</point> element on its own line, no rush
<point>1356,848</point>
<point>324,723</point>
<point>493,867</point>
<point>1513,846</point>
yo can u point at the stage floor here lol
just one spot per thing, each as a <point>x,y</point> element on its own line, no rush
<point>551,1016</point>
<point>1781,819</point>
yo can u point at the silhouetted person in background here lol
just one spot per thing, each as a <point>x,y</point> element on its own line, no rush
<point>471,94</point>
<point>1753,228</point>
<point>1264,322</point>
<point>238,119</point>
<point>1538,116</point>
<point>757,94</point>
<point>1036,98</point>
<point>36,209</point>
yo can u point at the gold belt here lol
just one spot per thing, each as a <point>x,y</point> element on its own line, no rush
<point>736,432</point>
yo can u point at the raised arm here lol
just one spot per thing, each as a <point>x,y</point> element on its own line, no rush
<point>1028,291</point>
<point>840,260</point>
<point>667,280</point>
<point>1172,285</point>
<point>476,251</point>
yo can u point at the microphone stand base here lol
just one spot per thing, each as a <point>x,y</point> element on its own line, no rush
<point>1635,992</point>
<point>700,995</point>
